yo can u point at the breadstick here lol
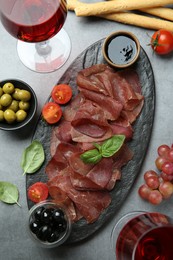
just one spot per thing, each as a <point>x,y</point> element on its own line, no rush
<point>139,20</point>
<point>163,12</point>
<point>72,4</point>
<point>89,9</point>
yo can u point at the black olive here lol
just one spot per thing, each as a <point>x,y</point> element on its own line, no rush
<point>61,226</point>
<point>44,232</point>
<point>58,215</point>
<point>34,226</point>
<point>37,213</point>
<point>46,216</point>
<point>53,237</point>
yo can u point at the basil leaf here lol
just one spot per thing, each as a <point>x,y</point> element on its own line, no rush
<point>91,156</point>
<point>112,145</point>
<point>9,193</point>
<point>32,157</point>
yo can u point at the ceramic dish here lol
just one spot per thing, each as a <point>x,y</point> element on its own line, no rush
<point>30,112</point>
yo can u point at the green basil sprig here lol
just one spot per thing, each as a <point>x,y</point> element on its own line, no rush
<point>32,157</point>
<point>9,193</point>
<point>107,149</point>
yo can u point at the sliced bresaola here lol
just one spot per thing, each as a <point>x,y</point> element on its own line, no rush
<point>132,78</point>
<point>60,159</point>
<point>90,120</point>
<point>111,107</point>
<point>90,79</point>
<point>89,203</point>
<point>70,111</point>
<point>60,133</point>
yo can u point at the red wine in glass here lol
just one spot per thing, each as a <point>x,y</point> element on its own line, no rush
<point>143,236</point>
<point>39,22</point>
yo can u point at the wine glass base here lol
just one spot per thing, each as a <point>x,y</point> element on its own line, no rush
<point>46,56</point>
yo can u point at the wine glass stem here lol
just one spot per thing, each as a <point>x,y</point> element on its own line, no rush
<point>43,48</point>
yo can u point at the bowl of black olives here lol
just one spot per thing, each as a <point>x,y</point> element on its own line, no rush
<point>18,104</point>
<point>49,224</point>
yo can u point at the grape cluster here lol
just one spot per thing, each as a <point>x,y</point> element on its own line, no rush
<point>159,185</point>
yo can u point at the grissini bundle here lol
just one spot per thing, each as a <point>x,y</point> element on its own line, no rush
<point>99,8</point>
<point>129,18</point>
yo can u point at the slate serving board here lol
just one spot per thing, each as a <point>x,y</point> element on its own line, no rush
<point>142,132</point>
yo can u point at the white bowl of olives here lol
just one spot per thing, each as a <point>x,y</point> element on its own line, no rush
<point>18,104</point>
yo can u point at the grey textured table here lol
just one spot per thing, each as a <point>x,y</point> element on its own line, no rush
<point>15,243</point>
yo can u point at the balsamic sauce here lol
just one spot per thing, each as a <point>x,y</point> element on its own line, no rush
<point>121,49</point>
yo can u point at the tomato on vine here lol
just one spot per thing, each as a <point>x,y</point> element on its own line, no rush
<point>162,42</point>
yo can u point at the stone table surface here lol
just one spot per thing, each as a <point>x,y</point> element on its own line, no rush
<point>15,243</point>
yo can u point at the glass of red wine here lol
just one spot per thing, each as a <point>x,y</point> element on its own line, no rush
<point>143,236</point>
<point>43,45</point>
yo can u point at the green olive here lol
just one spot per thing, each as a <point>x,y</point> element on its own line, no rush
<point>15,94</point>
<point>1,92</point>
<point>20,115</point>
<point>24,105</point>
<point>1,107</point>
<point>9,116</point>
<point>1,115</point>
<point>5,100</point>
<point>24,95</point>
<point>8,88</point>
<point>14,105</point>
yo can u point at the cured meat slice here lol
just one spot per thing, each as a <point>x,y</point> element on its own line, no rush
<point>89,78</point>
<point>89,203</point>
<point>82,138</point>
<point>132,78</point>
<point>62,132</point>
<point>111,107</point>
<point>124,93</point>
<point>70,111</point>
<point>115,176</point>
<point>122,157</point>
<point>78,165</point>
<point>63,200</point>
<point>60,159</point>
<point>101,173</point>
<point>82,182</point>
<point>89,120</point>
<point>117,129</point>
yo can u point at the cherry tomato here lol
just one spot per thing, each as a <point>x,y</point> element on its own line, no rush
<point>62,93</point>
<point>38,192</point>
<point>51,112</point>
<point>162,42</point>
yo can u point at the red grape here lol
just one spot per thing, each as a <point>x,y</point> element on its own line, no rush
<point>153,182</point>
<point>170,155</point>
<point>149,173</point>
<point>167,168</point>
<point>155,197</point>
<point>163,150</point>
<point>159,162</point>
<point>166,177</point>
<point>166,189</point>
<point>144,191</point>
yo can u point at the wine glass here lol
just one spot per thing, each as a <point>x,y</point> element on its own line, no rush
<point>143,236</point>
<point>43,45</point>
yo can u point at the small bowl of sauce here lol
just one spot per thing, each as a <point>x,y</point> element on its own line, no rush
<point>121,49</point>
